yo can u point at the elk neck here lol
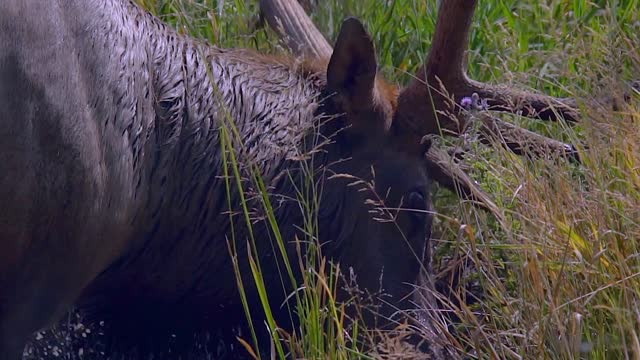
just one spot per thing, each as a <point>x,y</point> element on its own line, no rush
<point>174,104</point>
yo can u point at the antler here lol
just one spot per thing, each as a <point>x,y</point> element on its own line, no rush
<point>521,141</point>
<point>442,78</point>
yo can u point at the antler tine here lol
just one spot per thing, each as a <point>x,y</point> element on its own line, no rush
<point>522,141</point>
<point>292,24</point>
<point>451,176</point>
<point>446,59</point>
<point>417,104</point>
<point>507,99</point>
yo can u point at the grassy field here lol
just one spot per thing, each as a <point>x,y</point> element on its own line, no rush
<point>559,276</point>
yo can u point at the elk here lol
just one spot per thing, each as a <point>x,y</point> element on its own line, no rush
<point>114,189</point>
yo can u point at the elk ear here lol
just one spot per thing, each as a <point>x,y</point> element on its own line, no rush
<point>352,68</point>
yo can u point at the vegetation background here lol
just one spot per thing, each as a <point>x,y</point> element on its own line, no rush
<point>559,276</point>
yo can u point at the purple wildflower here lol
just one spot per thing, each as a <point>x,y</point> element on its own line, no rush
<point>466,102</point>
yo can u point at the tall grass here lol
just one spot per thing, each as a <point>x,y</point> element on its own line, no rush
<point>321,318</point>
<point>559,278</point>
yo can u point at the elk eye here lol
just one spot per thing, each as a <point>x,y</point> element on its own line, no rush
<point>416,205</point>
<point>416,200</point>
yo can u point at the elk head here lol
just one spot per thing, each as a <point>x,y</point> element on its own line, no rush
<point>376,212</point>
